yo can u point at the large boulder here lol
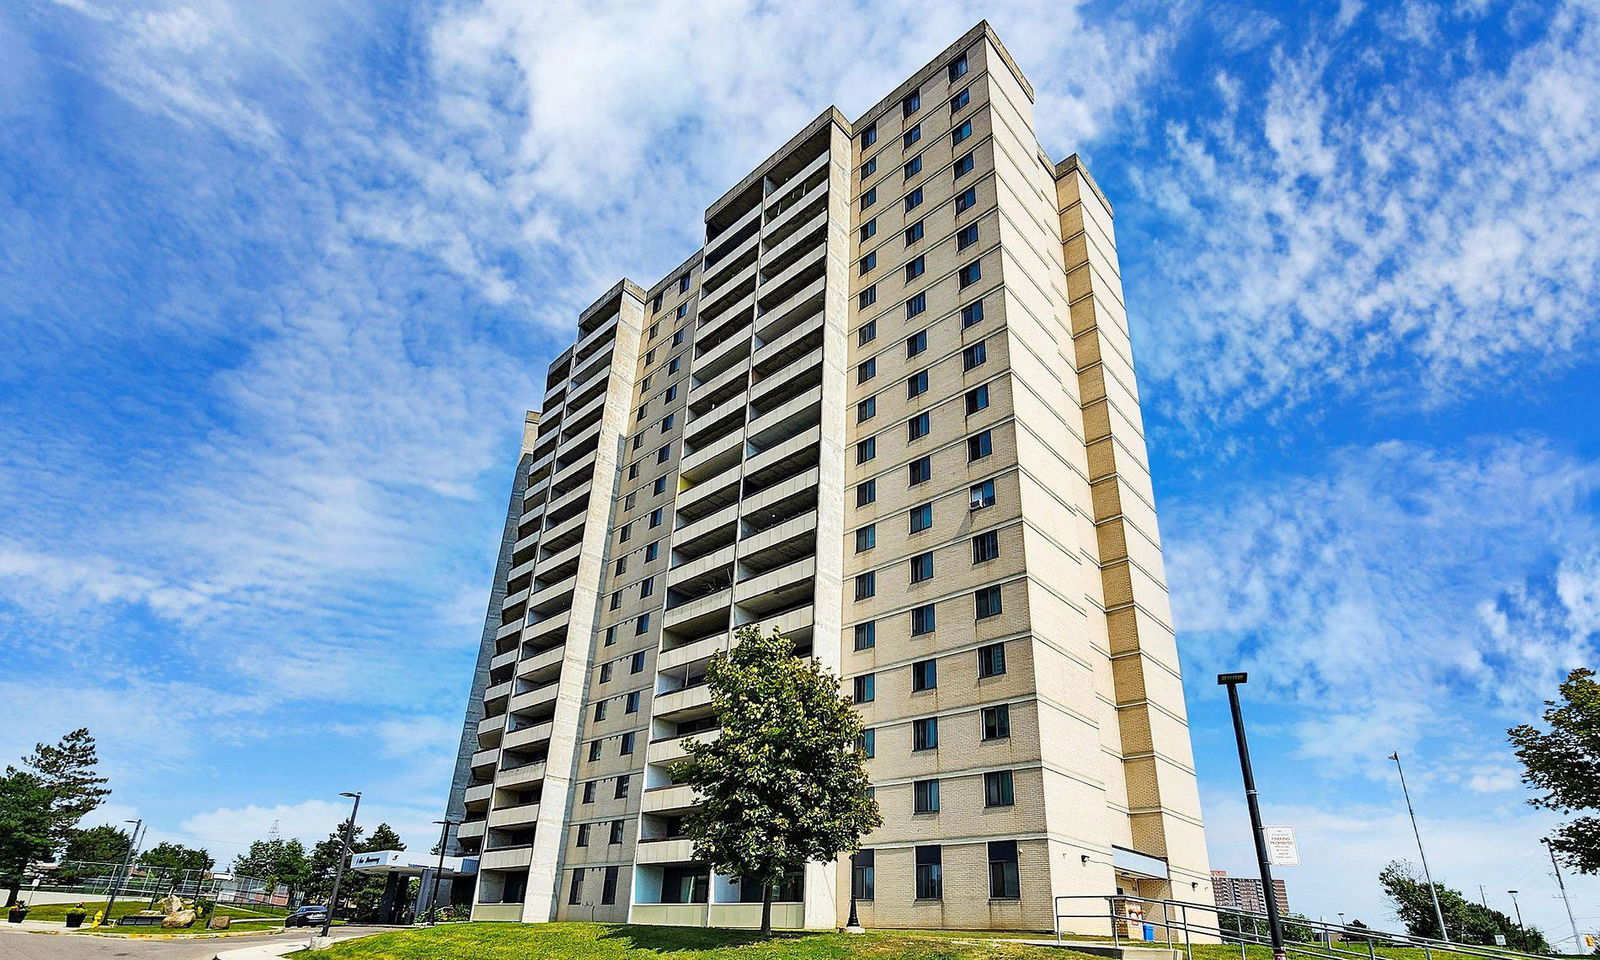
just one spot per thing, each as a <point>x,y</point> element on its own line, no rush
<point>183,918</point>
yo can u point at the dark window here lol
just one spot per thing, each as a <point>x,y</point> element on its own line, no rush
<point>652,551</point>
<point>588,791</point>
<point>997,791</point>
<point>683,284</point>
<point>622,787</point>
<point>977,399</point>
<point>675,365</point>
<point>930,880</point>
<point>979,446</point>
<point>633,703</point>
<point>917,427</point>
<point>975,356</point>
<point>982,494</point>
<point>866,538</point>
<point>916,305</point>
<point>957,68</point>
<point>664,454</point>
<point>911,104</point>
<point>605,673</point>
<point>656,516</point>
<point>583,835</point>
<point>992,660</point>
<point>608,892</point>
<point>869,229</point>
<point>961,133</point>
<point>866,449</point>
<point>924,675</point>
<point>967,200</point>
<point>641,625</point>
<point>599,710</point>
<point>866,492</point>
<point>914,199</point>
<point>916,384</point>
<point>863,872</point>
<point>985,547</point>
<point>921,517</point>
<point>864,691</point>
<point>966,236</point>
<point>986,602</point>
<point>866,370</point>
<point>867,297</point>
<point>919,470</point>
<point>575,895</point>
<point>911,136</point>
<point>1003,881</point>
<point>997,722</point>
<point>914,233</point>
<point>922,567</point>
<point>869,743</point>
<point>616,832</point>
<point>869,168</point>
<point>626,748</point>
<point>960,100</point>
<point>922,620</point>
<point>869,136</point>
<point>867,333</point>
<point>660,485</point>
<point>869,263</point>
<point>925,734</point>
<point>868,199</point>
<point>866,585</point>
<point>925,796</point>
<point>683,311</point>
<point>913,166</point>
<point>917,342</point>
<point>866,635</point>
<point>970,274</point>
<point>866,409</point>
<point>915,269</point>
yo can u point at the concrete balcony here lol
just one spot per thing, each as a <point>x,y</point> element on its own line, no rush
<point>533,698</point>
<point>526,542</point>
<point>497,690</point>
<point>713,304</point>
<point>678,657</point>
<point>580,470</point>
<point>730,353</point>
<point>504,659</point>
<point>708,461</point>
<point>695,609</point>
<point>783,207</point>
<point>567,533</point>
<point>778,492</point>
<point>494,724</point>
<point>509,629</point>
<point>779,317</point>
<point>728,415</point>
<point>787,419</point>
<point>512,599</point>
<point>542,662</point>
<point>772,350</point>
<point>545,630</point>
<point>511,858</point>
<point>527,736</point>
<point>773,456</point>
<point>715,494</point>
<point>808,262</point>
<point>776,585</point>
<point>470,829</point>
<point>677,797</point>
<point>663,851</point>
<point>700,566</point>
<point>550,594</point>
<point>522,568</point>
<point>562,563</point>
<point>586,346</point>
<point>730,254</point>
<point>523,776</point>
<point>479,793</point>
<point>484,758</point>
<point>797,374</point>
<point>682,701</point>
<point>527,813</point>
<point>728,381</point>
<point>802,234</point>
<point>780,543</point>
<point>666,751</point>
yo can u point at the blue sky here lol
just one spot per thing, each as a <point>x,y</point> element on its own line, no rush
<point>277,281</point>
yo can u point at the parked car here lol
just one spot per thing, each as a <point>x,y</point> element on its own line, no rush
<point>307,916</point>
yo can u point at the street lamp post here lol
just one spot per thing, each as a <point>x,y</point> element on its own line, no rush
<point>433,898</point>
<point>853,925</point>
<point>344,854</point>
<point>123,867</point>
<point>1577,939</point>
<point>1274,922</point>
<point>1438,914</point>
<point>1517,907</point>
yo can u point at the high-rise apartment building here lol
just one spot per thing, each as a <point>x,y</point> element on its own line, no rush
<point>888,408</point>
<point>1244,893</point>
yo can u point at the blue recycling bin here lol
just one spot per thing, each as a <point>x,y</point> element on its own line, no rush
<point>1150,931</point>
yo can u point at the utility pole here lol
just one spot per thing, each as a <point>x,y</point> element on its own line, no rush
<point>1274,922</point>
<point>1577,938</point>
<point>433,898</point>
<point>1517,907</point>
<point>344,854</point>
<point>1438,914</point>
<point>1482,897</point>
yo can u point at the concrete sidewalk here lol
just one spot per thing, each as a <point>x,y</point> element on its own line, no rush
<point>285,945</point>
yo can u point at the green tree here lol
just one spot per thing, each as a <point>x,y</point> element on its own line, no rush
<point>363,890</point>
<point>65,773</point>
<point>1564,762</point>
<point>27,826</point>
<point>102,844</point>
<point>277,862</point>
<point>784,784</point>
<point>176,857</point>
<point>1468,922</point>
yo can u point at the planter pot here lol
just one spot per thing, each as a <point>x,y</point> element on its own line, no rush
<point>75,919</point>
<point>16,916</point>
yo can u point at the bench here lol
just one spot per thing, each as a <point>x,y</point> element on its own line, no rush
<point>134,920</point>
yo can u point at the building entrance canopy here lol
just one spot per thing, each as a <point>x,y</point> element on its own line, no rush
<point>409,864</point>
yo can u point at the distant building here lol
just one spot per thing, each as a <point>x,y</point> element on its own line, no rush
<point>1244,893</point>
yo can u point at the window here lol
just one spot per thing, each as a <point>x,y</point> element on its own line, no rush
<point>866,538</point>
<point>930,879</point>
<point>594,753</point>
<point>980,446</point>
<point>992,660</point>
<point>866,449</point>
<point>867,297</point>
<point>605,673</point>
<point>1003,881</point>
<point>869,168</point>
<point>616,600</point>
<point>961,133</point>
<point>675,365</point>
<point>626,746</point>
<point>633,471</point>
<point>960,100</point>
<point>683,284</point>
<point>600,710</point>
<point>866,370</point>
<point>957,68</point>
<point>650,355</point>
<point>868,743</point>
<point>652,551</point>
<point>625,533</point>
<point>638,441</point>
<point>632,705</point>
<point>966,236</point>
<point>869,198</point>
<point>921,517</point>
<point>913,199</point>
<point>985,547</point>
<point>910,105</point>
<point>608,891</point>
<point>672,391</point>
<point>683,309</point>
<point>997,722</point>
<point>867,333</point>
<point>917,427</point>
<point>913,166</point>
<point>924,675</point>
<point>916,384</point>
<point>660,486</point>
<point>922,567</point>
<point>866,635</point>
<point>622,787</point>
<point>677,337</point>
<point>922,620</point>
<point>917,342</point>
<point>916,305</point>
<point>869,229</point>
<point>863,870</point>
<point>982,494</point>
<point>866,585</point>
<point>925,733</point>
<point>915,268</point>
<point>642,624</point>
<point>583,835</point>
<point>925,796</point>
<point>636,663</point>
<point>655,305</point>
<point>869,263</point>
<point>611,635</point>
<point>977,399</point>
<point>864,688</point>
<point>919,470</point>
<point>974,356</point>
<point>970,274</point>
<point>869,136</point>
<point>588,791</point>
<point>967,200</point>
<point>914,233</point>
<point>986,602</point>
<point>616,832</point>
<point>655,517</point>
<point>997,790</point>
<point>911,136</point>
<point>866,409</point>
<point>866,492</point>
<point>664,454</point>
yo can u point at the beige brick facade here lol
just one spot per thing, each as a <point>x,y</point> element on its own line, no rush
<point>890,409</point>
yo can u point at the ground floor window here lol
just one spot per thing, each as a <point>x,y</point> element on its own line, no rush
<point>930,873</point>
<point>608,893</point>
<point>863,876</point>
<point>790,889</point>
<point>1004,883</point>
<point>685,885</point>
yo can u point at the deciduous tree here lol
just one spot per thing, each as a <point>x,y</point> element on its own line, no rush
<point>277,862</point>
<point>176,857</point>
<point>102,844</point>
<point>784,783</point>
<point>1564,762</point>
<point>1468,922</point>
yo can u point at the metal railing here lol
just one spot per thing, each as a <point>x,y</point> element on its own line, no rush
<point>1177,923</point>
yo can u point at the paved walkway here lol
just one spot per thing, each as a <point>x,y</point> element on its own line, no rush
<point>50,941</point>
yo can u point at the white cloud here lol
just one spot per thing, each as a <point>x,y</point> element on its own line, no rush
<point>228,831</point>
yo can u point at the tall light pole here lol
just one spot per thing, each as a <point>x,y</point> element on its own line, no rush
<point>853,924</point>
<point>125,866</point>
<point>1577,939</point>
<point>1274,923</point>
<point>1438,914</point>
<point>1517,907</point>
<point>344,854</point>
<point>433,899</point>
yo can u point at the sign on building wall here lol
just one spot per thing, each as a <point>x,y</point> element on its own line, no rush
<point>1282,851</point>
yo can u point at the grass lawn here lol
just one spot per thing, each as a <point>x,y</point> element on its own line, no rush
<point>1355,951</point>
<point>239,913</point>
<point>602,941</point>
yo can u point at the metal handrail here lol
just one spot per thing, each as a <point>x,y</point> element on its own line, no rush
<point>1174,918</point>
